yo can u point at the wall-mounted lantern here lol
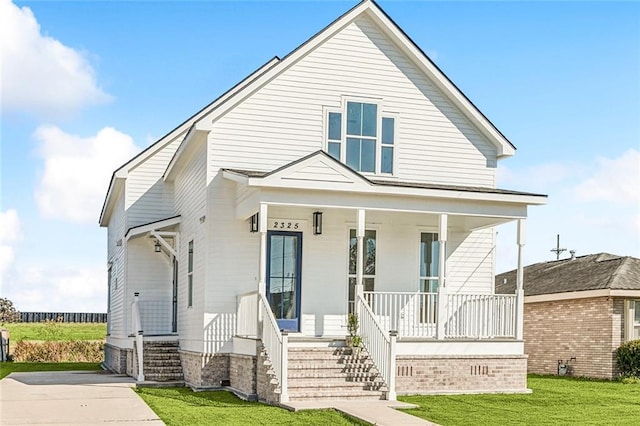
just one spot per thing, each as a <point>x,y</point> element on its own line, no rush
<point>317,223</point>
<point>157,247</point>
<point>254,223</point>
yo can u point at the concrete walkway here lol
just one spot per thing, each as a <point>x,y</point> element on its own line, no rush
<point>380,413</point>
<point>72,398</point>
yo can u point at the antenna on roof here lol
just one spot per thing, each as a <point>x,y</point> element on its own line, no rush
<point>558,250</point>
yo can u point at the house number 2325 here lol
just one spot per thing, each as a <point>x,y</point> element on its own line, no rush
<point>286,225</point>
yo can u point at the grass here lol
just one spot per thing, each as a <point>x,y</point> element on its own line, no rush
<point>181,406</point>
<point>7,368</point>
<point>555,400</point>
<point>48,331</point>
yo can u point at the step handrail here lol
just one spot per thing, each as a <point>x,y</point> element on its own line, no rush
<point>138,335</point>
<point>380,346</point>
<point>275,342</point>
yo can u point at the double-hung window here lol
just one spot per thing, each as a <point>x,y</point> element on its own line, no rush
<point>368,264</point>
<point>190,276</point>
<point>429,258</point>
<point>362,137</point>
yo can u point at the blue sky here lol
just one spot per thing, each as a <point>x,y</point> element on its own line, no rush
<point>85,85</point>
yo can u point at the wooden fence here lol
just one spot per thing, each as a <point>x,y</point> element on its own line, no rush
<point>66,317</point>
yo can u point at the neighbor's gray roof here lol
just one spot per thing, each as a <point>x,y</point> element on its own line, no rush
<point>591,272</point>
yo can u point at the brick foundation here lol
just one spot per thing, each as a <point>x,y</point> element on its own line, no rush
<point>588,329</point>
<point>461,374</point>
<point>265,386</point>
<point>204,370</point>
<point>115,359</point>
<point>242,373</point>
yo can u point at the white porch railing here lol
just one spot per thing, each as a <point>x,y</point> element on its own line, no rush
<point>379,344</point>
<point>411,314</point>
<point>415,314</point>
<point>247,314</point>
<point>136,330</point>
<point>275,342</point>
<point>481,316</point>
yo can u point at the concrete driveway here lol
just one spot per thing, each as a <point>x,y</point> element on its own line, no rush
<point>72,397</point>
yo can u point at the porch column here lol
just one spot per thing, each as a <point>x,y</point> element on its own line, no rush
<point>442,289</point>
<point>359,253</point>
<point>520,282</point>
<point>262,228</point>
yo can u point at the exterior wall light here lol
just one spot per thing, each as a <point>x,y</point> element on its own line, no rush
<point>317,223</point>
<point>157,248</point>
<point>253,222</point>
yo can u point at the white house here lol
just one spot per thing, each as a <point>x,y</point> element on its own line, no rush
<point>349,176</point>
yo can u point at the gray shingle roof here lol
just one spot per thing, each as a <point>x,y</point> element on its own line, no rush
<point>591,272</point>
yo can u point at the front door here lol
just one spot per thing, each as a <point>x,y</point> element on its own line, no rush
<point>284,255</point>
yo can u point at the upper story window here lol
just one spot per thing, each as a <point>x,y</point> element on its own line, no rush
<point>362,137</point>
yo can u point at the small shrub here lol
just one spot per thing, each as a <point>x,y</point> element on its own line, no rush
<point>628,358</point>
<point>631,380</point>
<point>55,351</point>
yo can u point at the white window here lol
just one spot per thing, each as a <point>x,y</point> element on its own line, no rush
<point>368,265</point>
<point>362,137</point>
<point>429,259</point>
<point>190,276</point>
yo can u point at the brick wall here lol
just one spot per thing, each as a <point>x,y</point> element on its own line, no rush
<point>459,374</point>
<point>115,359</point>
<point>242,373</point>
<point>266,386</point>
<point>588,329</point>
<point>204,370</point>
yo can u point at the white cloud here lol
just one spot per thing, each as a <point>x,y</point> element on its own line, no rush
<point>40,75</point>
<point>593,205</point>
<point>10,233</point>
<point>80,289</point>
<point>615,180</point>
<point>77,171</point>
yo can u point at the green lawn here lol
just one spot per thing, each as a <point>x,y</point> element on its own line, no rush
<point>181,406</point>
<point>55,331</point>
<point>554,400</point>
<point>10,367</point>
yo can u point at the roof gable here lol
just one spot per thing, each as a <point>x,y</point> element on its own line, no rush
<point>372,11</point>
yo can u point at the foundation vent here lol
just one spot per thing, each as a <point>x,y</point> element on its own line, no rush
<point>405,371</point>
<point>479,370</point>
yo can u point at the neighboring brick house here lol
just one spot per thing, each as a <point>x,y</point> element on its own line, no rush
<point>577,312</point>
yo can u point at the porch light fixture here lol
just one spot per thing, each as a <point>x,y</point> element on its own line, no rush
<point>317,223</point>
<point>156,247</point>
<point>253,223</point>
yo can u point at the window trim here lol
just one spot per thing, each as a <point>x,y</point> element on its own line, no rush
<point>190,263</point>
<point>420,276</point>
<point>353,226</point>
<point>380,114</point>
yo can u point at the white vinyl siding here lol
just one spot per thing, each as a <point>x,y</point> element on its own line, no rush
<point>436,143</point>
<point>148,197</point>
<point>150,275</point>
<point>116,254</point>
<point>190,202</point>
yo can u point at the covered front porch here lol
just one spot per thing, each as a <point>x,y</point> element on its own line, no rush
<point>414,262</point>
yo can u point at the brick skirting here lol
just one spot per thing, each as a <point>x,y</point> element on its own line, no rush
<point>461,374</point>
<point>115,359</point>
